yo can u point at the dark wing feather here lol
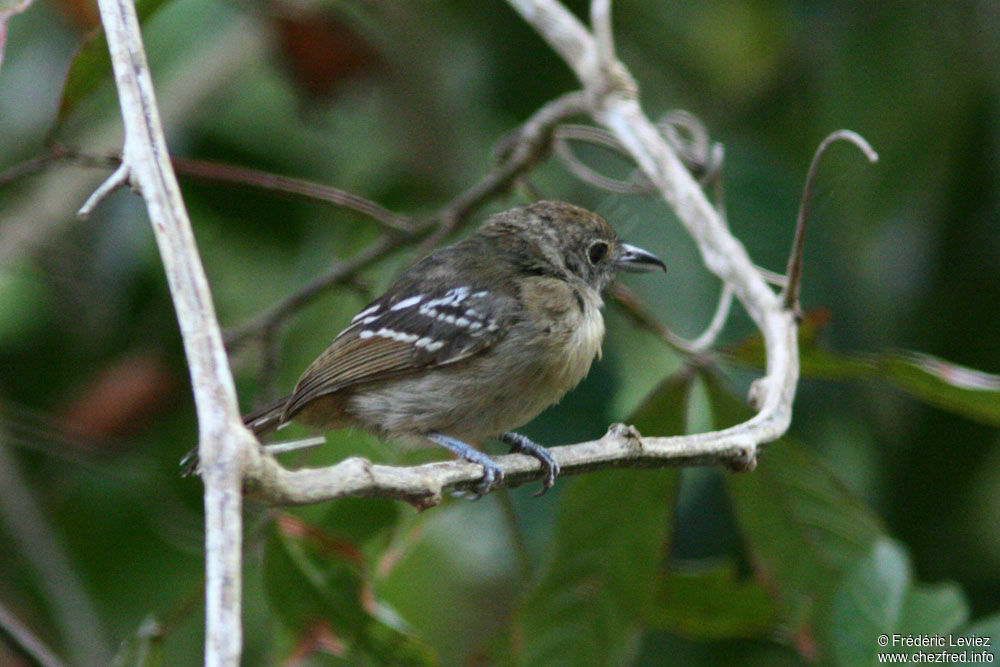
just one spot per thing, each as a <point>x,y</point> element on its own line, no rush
<point>403,332</point>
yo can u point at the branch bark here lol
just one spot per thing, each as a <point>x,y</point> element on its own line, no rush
<point>222,437</point>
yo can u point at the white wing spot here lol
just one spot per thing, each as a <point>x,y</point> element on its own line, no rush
<point>385,332</point>
<point>429,344</point>
<point>406,303</point>
<point>366,312</point>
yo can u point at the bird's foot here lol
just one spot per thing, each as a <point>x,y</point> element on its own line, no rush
<point>524,445</point>
<point>492,473</point>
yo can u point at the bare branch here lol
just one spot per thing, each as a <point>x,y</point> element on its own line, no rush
<point>522,150</point>
<point>600,23</point>
<point>793,273</point>
<point>227,173</point>
<point>337,274</point>
<point>423,486</point>
<point>222,436</point>
<point>117,179</point>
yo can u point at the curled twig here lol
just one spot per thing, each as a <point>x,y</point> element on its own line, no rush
<point>629,303</point>
<point>790,297</point>
<point>593,135</point>
<point>685,133</point>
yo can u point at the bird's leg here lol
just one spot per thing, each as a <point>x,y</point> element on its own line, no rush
<point>524,445</point>
<point>492,473</point>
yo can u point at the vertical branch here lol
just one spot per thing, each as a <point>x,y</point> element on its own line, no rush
<point>222,438</point>
<point>615,105</point>
<point>564,32</point>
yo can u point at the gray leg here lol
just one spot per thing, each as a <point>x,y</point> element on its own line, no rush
<point>492,473</point>
<point>523,445</point>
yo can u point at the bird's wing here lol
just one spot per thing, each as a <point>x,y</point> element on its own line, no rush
<point>403,332</point>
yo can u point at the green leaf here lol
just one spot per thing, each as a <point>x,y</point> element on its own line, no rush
<point>315,582</point>
<point>841,582</point>
<point>596,591</point>
<point>712,603</point>
<point>803,527</point>
<point>877,598</point>
<point>92,64</point>
<point>943,384</point>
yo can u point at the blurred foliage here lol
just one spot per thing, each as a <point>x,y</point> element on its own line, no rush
<point>876,514</point>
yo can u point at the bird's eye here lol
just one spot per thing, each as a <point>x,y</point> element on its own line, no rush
<point>597,251</point>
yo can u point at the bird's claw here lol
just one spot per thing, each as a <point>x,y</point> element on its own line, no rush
<point>524,445</point>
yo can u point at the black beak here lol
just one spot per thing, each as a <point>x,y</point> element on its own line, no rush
<point>637,260</point>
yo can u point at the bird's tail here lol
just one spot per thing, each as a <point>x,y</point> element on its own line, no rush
<point>267,418</point>
<point>260,421</point>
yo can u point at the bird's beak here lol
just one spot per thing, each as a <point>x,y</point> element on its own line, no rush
<point>637,260</point>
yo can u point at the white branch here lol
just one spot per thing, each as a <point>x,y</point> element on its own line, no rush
<point>707,338</point>
<point>222,437</point>
<point>616,107</point>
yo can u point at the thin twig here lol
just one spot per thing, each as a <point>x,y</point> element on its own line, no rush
<point>339,273</point>
<point>27,640</point>
<point>793,273</point>
<point>222,173</point>
<point>226,173</point>
<point>686,135</point>
<point>626,299</point>
<point>708,337</point>
<point>523,150</point>
<point>117,179</point>
<point>28,167</point>
<point>595,135</point>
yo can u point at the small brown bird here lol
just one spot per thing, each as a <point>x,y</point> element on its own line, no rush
<point>472,341</point>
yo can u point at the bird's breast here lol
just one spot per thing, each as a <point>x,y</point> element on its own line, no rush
<point>576,341</point>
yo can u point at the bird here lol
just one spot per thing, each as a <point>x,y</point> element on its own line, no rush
<point>472,341</point>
